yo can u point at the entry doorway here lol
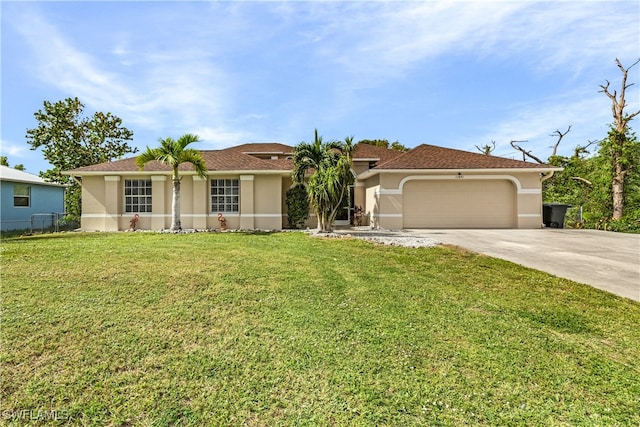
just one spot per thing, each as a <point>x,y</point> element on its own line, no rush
<point>345,214</point>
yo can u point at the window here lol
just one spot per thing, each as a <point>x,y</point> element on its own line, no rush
<point>225,195</point>
<point>137,195</point>
<point>21,195</point>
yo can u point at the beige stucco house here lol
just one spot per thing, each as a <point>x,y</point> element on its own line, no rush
<point>426,187</point>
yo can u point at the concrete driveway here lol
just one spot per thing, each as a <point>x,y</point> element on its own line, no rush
<point>605,260</point>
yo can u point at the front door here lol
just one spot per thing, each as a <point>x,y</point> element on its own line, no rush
<point>345,213</point>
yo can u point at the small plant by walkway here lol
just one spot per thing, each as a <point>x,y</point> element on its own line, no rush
<point>284,329</point>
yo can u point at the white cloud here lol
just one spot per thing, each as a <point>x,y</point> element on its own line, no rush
<point>382,40</point>
<point>201,76</point>
<point>170,90</point>
<point>535,122</point>
<point>12,150</point>
<point>216,137</point>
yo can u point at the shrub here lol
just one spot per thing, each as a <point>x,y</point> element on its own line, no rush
<point>297,206</point>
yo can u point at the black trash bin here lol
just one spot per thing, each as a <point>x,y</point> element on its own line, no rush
<point>553,214</point>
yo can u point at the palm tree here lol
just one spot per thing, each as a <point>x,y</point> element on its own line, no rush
<point>330,166</point>
<point>173,153</point>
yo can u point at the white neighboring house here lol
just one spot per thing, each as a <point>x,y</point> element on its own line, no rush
<point>27,201</point>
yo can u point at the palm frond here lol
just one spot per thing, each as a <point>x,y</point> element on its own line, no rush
<point>195,158</point>
<point>186,139</point>
<point>147,156</point>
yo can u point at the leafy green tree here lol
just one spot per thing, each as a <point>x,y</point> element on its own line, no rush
<point>69,141</point>
<point>395,145</point>
<point>4,161</point>
<point>384,143</point>
<point>329,164</point>
<point>174,153</point>
<point>377,142</point>
<point>606,172</point>
<point>586,181</point>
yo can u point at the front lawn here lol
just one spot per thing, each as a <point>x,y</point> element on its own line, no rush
<point>285,329</point>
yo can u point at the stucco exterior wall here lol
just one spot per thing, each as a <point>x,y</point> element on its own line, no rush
<point>268,202</point>
<point>93,209</point>
<point>263,199</point>
<point>372,205</point>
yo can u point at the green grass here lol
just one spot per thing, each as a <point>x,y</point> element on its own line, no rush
<point>285,329</point>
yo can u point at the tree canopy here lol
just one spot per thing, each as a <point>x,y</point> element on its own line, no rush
<point>384,143</point>
<point>4,161</point>
<point>69,140</point>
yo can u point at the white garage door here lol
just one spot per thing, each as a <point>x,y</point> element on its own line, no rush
<point>459,204</point>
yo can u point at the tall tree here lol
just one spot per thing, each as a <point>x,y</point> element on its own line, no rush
<point>174,153</point>
<point>329,164</point>
<point>619,143</point>
<point>69,141</point>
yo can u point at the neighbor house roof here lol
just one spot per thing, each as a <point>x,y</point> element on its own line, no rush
<point>374,153</point>
<point>433,157</point>
<point>262,148</point>
<point>15,175</point>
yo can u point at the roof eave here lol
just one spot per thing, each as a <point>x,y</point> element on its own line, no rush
<point>182,173</point>
<point>26,181</point>
<point>374,171</point>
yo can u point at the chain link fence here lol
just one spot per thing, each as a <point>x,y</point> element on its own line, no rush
<point>40,222</point>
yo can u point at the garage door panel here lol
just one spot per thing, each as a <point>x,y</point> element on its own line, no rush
<point>459,204</point>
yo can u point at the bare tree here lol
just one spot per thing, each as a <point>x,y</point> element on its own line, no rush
<point>560,135</point>
<point>618,138</point>
<point>537,159</point>
<point>524,152</point>
<point>487,149</point>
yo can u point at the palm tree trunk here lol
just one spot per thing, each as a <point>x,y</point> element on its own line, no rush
<point>324,224</point>
<point>175,207</point>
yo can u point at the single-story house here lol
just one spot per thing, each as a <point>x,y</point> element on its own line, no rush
<point>426,187</point>
<point>28,201</point>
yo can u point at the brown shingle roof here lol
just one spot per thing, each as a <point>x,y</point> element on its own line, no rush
<point>215,160</point>
<point>432,157</point>
<point>230,160</point>
<point>373,152</point>
<point>236,159</point>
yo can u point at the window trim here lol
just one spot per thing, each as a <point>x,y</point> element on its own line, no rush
<point>26,197</point>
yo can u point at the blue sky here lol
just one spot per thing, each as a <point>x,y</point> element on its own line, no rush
<point>450,73</point>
